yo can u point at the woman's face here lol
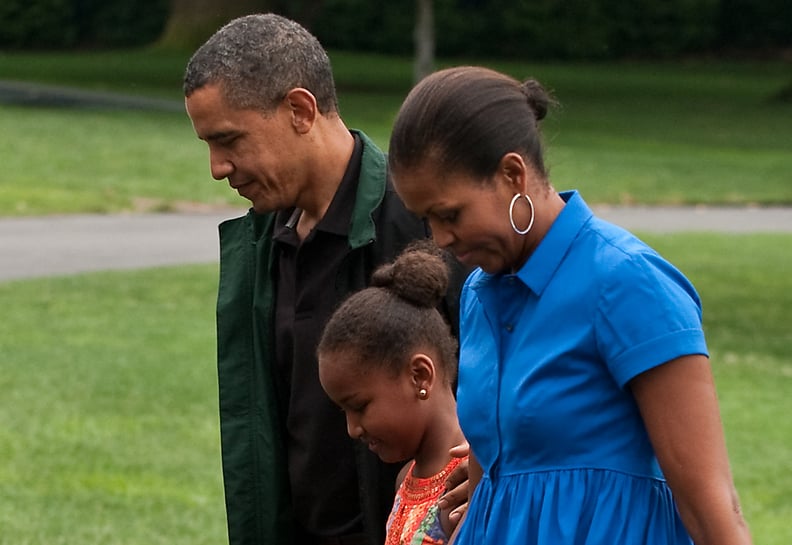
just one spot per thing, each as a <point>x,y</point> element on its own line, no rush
<point>468,216</point>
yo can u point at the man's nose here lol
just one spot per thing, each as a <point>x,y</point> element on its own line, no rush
<point>220,166</point>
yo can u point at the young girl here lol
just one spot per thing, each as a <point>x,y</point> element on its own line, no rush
<point>388,359</point>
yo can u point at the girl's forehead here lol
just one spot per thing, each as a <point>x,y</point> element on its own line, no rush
<point>348,362</point>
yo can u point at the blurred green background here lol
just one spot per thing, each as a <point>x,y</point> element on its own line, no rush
<point>108,425</point>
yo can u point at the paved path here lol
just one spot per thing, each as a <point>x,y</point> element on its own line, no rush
<point>59,245</point>
<point>670,219</point>
<point>35,94</point>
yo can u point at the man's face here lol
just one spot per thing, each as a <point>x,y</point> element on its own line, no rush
<point>254,151</point>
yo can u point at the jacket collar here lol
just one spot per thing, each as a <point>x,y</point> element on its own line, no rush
<point>370,192</point>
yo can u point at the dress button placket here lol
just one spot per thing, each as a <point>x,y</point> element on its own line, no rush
<point>509,284</point>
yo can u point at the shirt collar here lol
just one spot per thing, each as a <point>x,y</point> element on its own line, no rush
<point>339,214</point>
<point>540,267</point>
<point>538,270</point>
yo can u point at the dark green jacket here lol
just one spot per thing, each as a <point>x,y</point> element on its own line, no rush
<point>254,465</point>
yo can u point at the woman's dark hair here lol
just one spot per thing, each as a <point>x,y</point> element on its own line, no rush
<point>385,323</point>
<point>467,118</point>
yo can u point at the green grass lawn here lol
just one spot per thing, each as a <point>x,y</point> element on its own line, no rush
<point>108,426</point>
<point>746,288</point>
<point>72,160</point>
<point>692,132</point>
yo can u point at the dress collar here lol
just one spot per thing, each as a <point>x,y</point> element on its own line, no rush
<point>540,267</point>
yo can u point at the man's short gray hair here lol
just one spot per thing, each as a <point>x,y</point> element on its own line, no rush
<point>257,59</point>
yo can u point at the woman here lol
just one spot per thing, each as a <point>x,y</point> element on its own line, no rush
<point>585,389</point>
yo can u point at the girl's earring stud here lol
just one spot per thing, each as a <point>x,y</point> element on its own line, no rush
<point>422,393</point>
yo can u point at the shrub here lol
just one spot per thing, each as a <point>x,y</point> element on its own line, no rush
<point>51,24</point>
<point>38,24</point>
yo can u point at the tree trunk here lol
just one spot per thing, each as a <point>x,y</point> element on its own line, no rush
<point>191,22</point>
<point>424,37</point>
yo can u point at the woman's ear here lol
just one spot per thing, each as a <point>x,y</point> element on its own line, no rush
<point>302,105</point>
<point>514,172</point>
<point>423,374</point>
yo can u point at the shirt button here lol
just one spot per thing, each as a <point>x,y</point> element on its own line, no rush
<point>509,327</point>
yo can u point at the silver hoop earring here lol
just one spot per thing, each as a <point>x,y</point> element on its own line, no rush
<point>511,214</point>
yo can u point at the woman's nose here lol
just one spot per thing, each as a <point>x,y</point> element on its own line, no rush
<point>443,237</point>
<point>354,429</point>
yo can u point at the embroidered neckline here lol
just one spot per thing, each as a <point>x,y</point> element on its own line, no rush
<point>415,489</point>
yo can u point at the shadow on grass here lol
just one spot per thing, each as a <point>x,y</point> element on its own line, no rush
<point>38,95</point>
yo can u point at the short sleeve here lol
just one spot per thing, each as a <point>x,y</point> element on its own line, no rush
<point>648,314</point>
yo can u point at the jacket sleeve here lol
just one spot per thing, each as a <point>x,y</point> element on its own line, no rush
<point>256,488</point>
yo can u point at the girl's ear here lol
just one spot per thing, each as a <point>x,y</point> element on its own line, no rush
<point>302,105</point>
<point>423,374</point>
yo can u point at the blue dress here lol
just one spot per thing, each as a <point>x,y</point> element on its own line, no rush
<point>544,359</point>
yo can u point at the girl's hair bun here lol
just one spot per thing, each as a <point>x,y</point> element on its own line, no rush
<point>419,275</point>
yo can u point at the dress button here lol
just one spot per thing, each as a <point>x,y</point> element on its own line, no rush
<point>509,327</point>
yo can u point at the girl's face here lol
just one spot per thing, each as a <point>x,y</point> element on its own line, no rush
<point>381,409</point>
<point>468,216</point>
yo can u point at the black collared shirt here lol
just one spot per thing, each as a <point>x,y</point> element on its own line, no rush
<point>320,454</point>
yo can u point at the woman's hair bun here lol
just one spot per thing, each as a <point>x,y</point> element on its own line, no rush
<point>539,99</point>
<point>419,275</point>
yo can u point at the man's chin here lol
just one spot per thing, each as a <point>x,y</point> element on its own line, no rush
<point>261,207</point>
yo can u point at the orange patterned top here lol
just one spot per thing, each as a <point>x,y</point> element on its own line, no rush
<point>415,518</point>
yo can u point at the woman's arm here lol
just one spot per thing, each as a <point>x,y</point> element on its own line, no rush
<point>679,407</point>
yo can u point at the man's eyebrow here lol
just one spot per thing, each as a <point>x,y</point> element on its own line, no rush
<point>218,135</point>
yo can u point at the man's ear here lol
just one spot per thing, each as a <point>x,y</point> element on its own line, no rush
<point>302,105</point>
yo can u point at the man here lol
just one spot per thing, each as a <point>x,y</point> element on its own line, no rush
<point>260,93</point>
